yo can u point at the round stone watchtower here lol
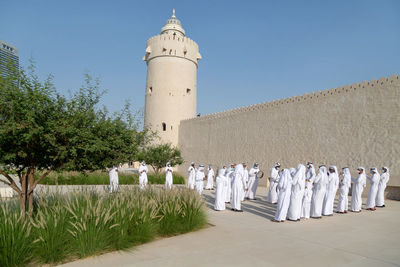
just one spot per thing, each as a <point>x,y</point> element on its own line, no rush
<point>171,85</point>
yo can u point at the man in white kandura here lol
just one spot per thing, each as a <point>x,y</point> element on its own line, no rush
<point>345,184</point>
<point>168,176</point>
<point>143,170</point>
<point>191,175</point>
<point>246,181</point>
<point>380,196</point>
<point>358,186</point>
<point>373,189</point>
<point>221,183</point>
<point>114,181</point>
<point>237,188</point>
<point>273,183</point>
<point>306,206</point>
<point>210,178</point>
<point>319,190</point>
<point>199,179</point>
<point>253,182</point>
<point>229,176</point>
<point>296,197</point>
<point>333,184</point>
<point>285,190</point>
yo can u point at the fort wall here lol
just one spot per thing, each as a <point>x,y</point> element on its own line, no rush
<point>355,125</point>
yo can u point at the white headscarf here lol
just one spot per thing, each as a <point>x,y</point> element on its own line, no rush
<point>221,172</point>
<point>292,171</point>
<point>387,169</point>
<point>239,169</point>
<point>284,179</point>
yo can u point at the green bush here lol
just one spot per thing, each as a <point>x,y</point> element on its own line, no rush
<point>15,235</point>
<point>102,178</point>
<point>81,224</point>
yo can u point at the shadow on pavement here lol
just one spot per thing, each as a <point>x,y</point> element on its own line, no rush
<point>259,207</point>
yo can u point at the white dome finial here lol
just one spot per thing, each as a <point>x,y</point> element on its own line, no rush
<point>173,12</point>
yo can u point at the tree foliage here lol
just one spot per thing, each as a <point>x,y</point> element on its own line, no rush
<point>43,130</point>
<point>157,156</point>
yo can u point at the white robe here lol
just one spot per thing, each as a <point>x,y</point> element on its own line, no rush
<point>237,187</point>
<point>358,186</point>
<point>221,183</point>
<point>229,177</point>
<point>191,175</point>
<point>273,183</point>
<point>285,188</point>
<point>143,170</point>
<point>114,181</point>
<point>210,179</point>
<point>246,182</point>
<point>329,199</point>
<point>253,183</point>
<point>199,179</point>
<point>296,197</point>
<point>380,195</point>
<point>168,177</point>
<point>308,191</point>
<point>345,184</point>
<point>319,190</point>
<point>373,190</point>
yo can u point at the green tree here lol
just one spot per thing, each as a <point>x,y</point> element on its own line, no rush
<point>158,155</point>
<point>43,130</point>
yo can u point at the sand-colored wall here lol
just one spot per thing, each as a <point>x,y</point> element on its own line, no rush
<point>171,84</point>
<point>357,125</point>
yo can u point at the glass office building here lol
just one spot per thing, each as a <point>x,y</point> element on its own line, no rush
<point>9,59</point>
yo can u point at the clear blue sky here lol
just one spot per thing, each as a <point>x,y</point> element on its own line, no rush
<point>253,51</point>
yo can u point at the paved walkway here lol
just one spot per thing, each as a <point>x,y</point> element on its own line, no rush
<point>252,239</point>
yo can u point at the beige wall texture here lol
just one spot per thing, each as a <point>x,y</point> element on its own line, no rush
<point>357,125</point>
<point>171,84</point>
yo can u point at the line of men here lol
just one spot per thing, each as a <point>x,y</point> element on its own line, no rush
<point>300,193</point>
<point>143,170</point>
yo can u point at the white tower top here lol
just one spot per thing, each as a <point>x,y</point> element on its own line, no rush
<point>173,25</point>
<point>171,85</point>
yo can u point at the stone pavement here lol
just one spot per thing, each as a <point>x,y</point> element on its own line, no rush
<point>252,239</point>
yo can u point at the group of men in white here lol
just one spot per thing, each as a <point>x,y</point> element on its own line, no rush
<point>301,193</point>
<point>233,183</point>
<point>298,193</point>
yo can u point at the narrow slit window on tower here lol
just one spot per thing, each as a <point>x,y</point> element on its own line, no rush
<point>171,127</point>
<point>188,90</point>
<point>164,126</point>
<point>150,89</point>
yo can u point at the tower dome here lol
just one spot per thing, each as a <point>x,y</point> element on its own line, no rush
<point>173,25</point>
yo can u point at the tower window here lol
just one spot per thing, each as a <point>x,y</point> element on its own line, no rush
<point>164,126</point>
<point>171,127</point>
<point>188,90</point>
<point>150,89</point>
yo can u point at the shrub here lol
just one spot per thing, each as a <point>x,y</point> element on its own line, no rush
<point>86,223</point>
<point>102,178</point>
<point>50,222</point>
<point>15,235</point>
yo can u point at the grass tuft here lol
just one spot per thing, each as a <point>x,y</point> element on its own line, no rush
<point>85,223</point>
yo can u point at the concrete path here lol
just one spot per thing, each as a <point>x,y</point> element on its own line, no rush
<point>252,239</point>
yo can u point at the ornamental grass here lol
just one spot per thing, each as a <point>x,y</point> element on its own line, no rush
<point>102,178</point>
<point>76,225</point>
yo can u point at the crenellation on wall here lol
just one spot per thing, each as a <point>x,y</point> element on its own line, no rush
<point>316,96</point>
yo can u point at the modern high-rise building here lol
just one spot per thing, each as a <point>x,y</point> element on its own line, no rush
<point>9,59</point>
